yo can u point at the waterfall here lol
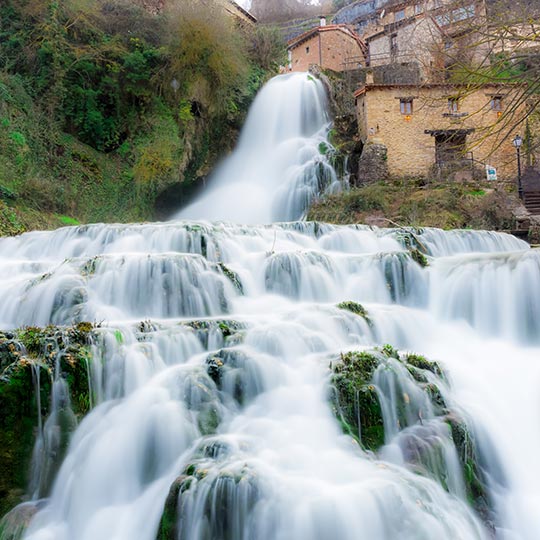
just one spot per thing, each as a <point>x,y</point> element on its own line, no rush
<point>210,376</point>
<point>281,163</point>
<point>287,381</point>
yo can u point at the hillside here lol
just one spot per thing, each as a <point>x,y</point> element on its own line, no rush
<point>110,113</point>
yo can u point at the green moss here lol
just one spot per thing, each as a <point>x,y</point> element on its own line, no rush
<point>418,257</point>
<point>354,398</point>
<point>232,277</point>
<point>357,309</point>
<point>466,449</point>
<point>389,351</point>
<point>421,362</point>
<point>18,417</point>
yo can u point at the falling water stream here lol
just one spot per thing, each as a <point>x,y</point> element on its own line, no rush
<point>267,459</point>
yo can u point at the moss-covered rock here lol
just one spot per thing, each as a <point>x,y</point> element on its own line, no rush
<point>357,309</point>
<point>355,400</point>
<point>231,331</point>
<point>354,396</point>
<point>363,383</point>
<point>228,492</point>
<point>475,483</point>
<point>235,373</point>
<point>232,277</point>
<point>19,420</point>
<point>30,358</point>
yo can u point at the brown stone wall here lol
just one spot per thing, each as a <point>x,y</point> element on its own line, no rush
<point>331,49</point>
<point>341,52</point>
<point>305,54</point>
<point>411,152</point>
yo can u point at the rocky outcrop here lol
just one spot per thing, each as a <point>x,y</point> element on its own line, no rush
<point>30,359</point>
<point>381,396</point>
<point>373,163</point>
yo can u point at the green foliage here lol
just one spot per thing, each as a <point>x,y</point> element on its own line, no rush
<point>92,127</point>
<point>66,220</point>
<point>404,203</point>
<point>267,47</point>
<point>357,309</point>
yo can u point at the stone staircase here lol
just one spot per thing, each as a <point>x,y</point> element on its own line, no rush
<point>531,200</point>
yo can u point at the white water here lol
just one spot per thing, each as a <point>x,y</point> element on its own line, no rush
<point>276,464</point>
<point>311,482</point>
<point>278,167</point>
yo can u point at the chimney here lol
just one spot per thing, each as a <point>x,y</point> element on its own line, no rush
<point>322,19</point>
<point>369,77</point>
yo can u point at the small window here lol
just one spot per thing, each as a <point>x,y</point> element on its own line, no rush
<point>307,50</point>
<point>393,44</point>
<point>399,15</point>
<point>418,8</point>
<point>453,105</point>
<point>443,20</point>
<point>406,106</point>
<point>496,103</point>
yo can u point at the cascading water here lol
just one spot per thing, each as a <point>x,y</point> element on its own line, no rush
<point>212,366</point>
<point>281,162</point>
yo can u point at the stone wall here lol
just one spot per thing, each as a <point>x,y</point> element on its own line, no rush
<point>411,151</point>
<point>414,42</point>
<point>330,48</point>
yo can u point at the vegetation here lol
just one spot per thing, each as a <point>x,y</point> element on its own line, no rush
<point>410,203</point>
<point>104,106</point>
<point>23,354</point>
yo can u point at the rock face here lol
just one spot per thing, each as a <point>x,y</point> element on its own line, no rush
<point>31,359</point>
<point>373,163</point>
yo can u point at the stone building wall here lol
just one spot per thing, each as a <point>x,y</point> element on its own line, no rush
<point>411,151</point>
<point>329,47</point>
<point>414,42</point>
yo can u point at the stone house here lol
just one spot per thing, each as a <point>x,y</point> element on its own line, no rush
<point>336,47</point>
<point>430,33</point>
<point>439,130</point>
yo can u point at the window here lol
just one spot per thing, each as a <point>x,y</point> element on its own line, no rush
<point>443,20</point>
<point>453,105</point>
<point>393,45</point>
<point>463,13</point>
<point>399,15</point>
<point>496,104</point>
<point>406,106</point>
<point>419,8</point>
<point>307,50</point>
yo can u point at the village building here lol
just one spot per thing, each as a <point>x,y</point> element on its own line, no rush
<point>433,34</point>
<point>336,47</point>
<point>361,15</point>
<point>438,130</point>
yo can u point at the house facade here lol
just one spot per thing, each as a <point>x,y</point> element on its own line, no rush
<point>431,33</point>
<point>436,130</point>
<point>336,47</point>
